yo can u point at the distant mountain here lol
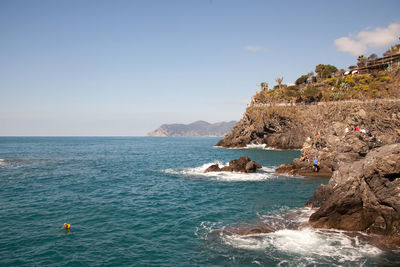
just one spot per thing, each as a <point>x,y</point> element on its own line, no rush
<point>198,128</point>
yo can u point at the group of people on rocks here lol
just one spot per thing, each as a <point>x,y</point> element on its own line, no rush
<point>316,167</point>
<point>316,163</point>
<point>357,129</point>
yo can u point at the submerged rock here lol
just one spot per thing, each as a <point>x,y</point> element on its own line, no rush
<point>243,164</point>
<point>363,196</point>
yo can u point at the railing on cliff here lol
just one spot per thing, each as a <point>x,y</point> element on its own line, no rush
<point>322,103</point>
<point>380,63</point>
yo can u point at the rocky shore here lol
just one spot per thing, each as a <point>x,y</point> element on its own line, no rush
<point>323,132</point>
<point>363,196</point>
<point>354,143</point>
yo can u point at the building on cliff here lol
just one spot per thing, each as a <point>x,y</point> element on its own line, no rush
<point>380,63</point>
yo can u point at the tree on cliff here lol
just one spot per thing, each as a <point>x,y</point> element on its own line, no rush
<point>361,61</point>
<point>325,71</point>
<point>392,51</point>
<point>372,57</point>
<point>279,81</point>
<point>304,78</point>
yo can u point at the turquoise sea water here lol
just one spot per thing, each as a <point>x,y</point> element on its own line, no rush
<point>144,201</point>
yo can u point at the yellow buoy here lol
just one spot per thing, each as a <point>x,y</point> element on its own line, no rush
<point>67,225</point>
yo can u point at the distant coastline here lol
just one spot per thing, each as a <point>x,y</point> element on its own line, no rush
<point>195,129</point>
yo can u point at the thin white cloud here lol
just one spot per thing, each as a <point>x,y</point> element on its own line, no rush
<point>346,44</point>
<point>255,48</point>
<point>376,38</point>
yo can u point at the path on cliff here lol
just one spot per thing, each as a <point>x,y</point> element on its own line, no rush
<point>322,103</point>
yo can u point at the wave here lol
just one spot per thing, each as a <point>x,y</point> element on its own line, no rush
<point>264,173</point>
<point>249,146</point>
<point>10,164</point>
<point>253,147</point>
<point>303,246</point>
<point>314,246</point>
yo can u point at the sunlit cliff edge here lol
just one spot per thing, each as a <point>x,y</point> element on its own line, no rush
<point>349,122</point>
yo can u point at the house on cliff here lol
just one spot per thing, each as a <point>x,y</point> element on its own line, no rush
<point>380,63</point>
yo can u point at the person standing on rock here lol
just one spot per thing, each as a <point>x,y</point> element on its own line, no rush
<point>316,165</point>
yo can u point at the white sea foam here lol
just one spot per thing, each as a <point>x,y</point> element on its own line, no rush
<point>306,242</point>
<point>3,163</point>
<point>256,146</point>
<point>311,246</point>
<point>249,146</point>
<point>264,173</point>
<point>253,146</point>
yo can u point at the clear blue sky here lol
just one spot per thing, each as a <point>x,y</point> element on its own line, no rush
<point>126,67</point>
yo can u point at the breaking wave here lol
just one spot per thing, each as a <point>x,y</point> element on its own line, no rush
<point>308,245</point>
<point>264,173</point>
<point>256,146</point>
<point>10,164</point>
<point>303,246</point>
<point>253,147</point>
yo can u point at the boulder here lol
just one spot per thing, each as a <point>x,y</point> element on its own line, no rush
<point>243,164</point>
<point>227,169</point>
<point>305,168</point>
<point>213,168</point>
<point>363,196</point>
<point>251,166</point>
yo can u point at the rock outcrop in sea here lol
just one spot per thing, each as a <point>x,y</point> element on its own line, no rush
<point>243,164</point>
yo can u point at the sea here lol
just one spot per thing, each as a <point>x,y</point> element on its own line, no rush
<point>145,201</point>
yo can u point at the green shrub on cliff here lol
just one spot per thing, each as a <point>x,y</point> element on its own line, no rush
<point>325,71</point>
<point>329,87</point>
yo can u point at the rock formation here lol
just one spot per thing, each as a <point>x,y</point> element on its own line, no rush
<point>354,142</point>
<point>363,196</point>
<point>243,164</point>
<point>319,131</point>
<point>288,127</point>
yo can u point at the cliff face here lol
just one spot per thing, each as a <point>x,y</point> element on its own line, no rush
<point>198,128</point>
<point>354,143</point>
<point>274,119</point>
<point>363,196</point>
<point>363,193</point>
<point>288,127</point>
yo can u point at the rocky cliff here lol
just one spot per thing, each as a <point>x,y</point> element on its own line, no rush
<point>290,126</point>
<point>350,126</point>
<point>354,141</point>
<point>198,128</point>
<point>363,196</point>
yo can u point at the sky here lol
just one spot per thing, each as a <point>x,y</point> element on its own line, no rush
<point>123,68</point>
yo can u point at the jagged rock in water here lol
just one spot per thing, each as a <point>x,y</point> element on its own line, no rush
<point>363,196</point>
<point>243,164</point>
<point>213,168</point>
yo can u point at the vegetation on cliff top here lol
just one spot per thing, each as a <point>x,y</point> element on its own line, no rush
<point>330,84</point>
